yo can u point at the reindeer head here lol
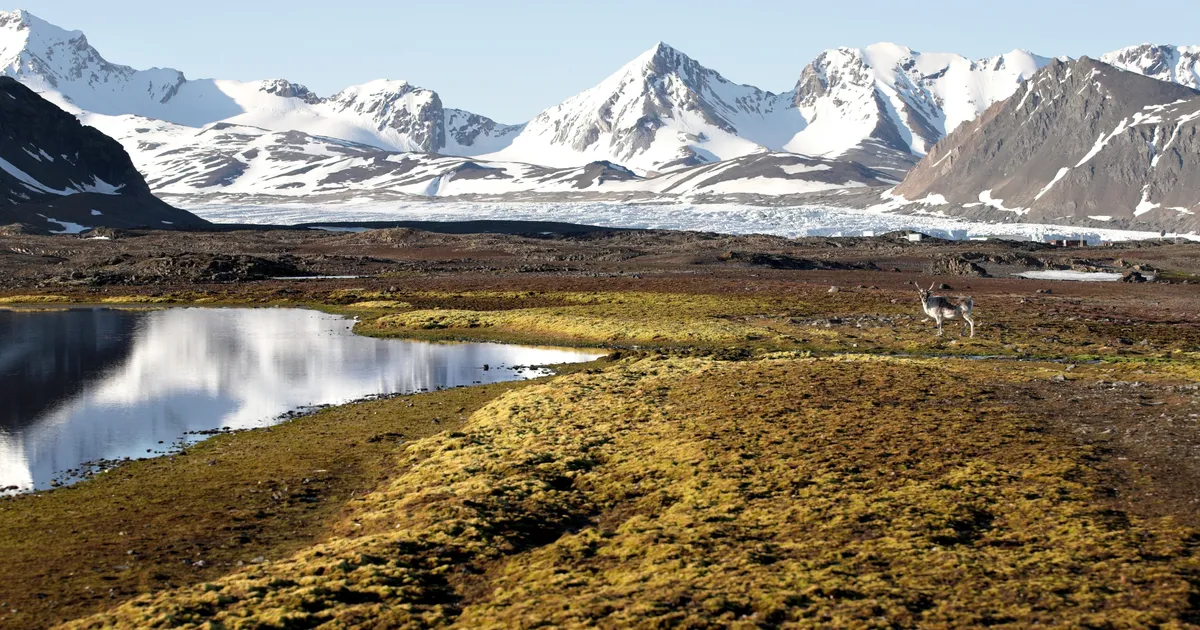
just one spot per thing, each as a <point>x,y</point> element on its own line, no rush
<point>925,293</point>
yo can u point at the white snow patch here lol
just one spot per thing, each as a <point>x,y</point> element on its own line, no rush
<point>1102,141</point>
<point>28,181</point>
<point>1062,172</point>
<point>1066,274</point>
<point>796,169</point>
<point>1144,206</point>
<point>102,187</point>
<point>986,198</point>
<point>68,227</point>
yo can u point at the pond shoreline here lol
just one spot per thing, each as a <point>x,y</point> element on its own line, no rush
<point>235,365</point>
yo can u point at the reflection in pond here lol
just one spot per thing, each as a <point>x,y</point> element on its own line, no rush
<point>90,385</point>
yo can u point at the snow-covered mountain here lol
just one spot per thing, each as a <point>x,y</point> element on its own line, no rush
<point>1176,64</point>
<point>876,110</point>
<point>899,98</point>
<point>662,109</point>
<point>883,105</point>
<point>239,162</point>
<point>394,115</point>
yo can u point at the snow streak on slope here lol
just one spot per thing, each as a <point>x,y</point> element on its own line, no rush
<point>1085,141</point>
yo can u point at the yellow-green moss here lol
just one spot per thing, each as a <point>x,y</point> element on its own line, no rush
<point>379,304</point>
<point>138,299</point>
<point>843,492</point>
<point>34,299</point>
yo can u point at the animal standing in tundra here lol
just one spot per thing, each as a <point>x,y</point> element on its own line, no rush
<point>941,308</point>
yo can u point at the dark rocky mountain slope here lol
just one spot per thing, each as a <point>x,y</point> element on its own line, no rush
<point>58,175</point>
<point>1082,143</point>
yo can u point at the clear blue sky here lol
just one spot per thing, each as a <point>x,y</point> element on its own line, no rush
<point>509,60</point>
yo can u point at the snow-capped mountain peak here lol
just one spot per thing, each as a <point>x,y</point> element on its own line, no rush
<point>883,106</point>
<point>660,110</point>
<point>395,115</point>
<point>901,98</point>
<point>1176,64</point>
<point>20,31</point>
<point>62,63</point>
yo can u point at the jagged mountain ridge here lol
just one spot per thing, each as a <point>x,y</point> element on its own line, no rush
<point>661,110</point>
<point>395,115</point>
<point>239,162</point>
<point>1082,142</point>
<point>56,173</point>
<point>1174,64</point>
<point>883,106</point>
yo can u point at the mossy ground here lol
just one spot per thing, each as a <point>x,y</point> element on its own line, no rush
<point>198,515</point>
<point>669,491</point>
<point>795,485</point>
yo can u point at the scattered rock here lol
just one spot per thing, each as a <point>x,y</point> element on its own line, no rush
<point>955,265</point>
<point>1133,276</point>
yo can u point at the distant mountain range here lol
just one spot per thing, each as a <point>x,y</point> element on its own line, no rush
<point>662,125</point>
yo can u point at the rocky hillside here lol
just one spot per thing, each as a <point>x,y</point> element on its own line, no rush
<point>1083,142</point>
<point>58,175</point>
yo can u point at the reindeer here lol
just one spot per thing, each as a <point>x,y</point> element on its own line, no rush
<point>940,308</point>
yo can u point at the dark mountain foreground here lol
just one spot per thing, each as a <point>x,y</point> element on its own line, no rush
<point>1082,143</point>
<point>56,175</point>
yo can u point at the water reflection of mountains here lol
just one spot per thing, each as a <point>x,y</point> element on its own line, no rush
<point>97,385</point>
<point>47,358</point>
